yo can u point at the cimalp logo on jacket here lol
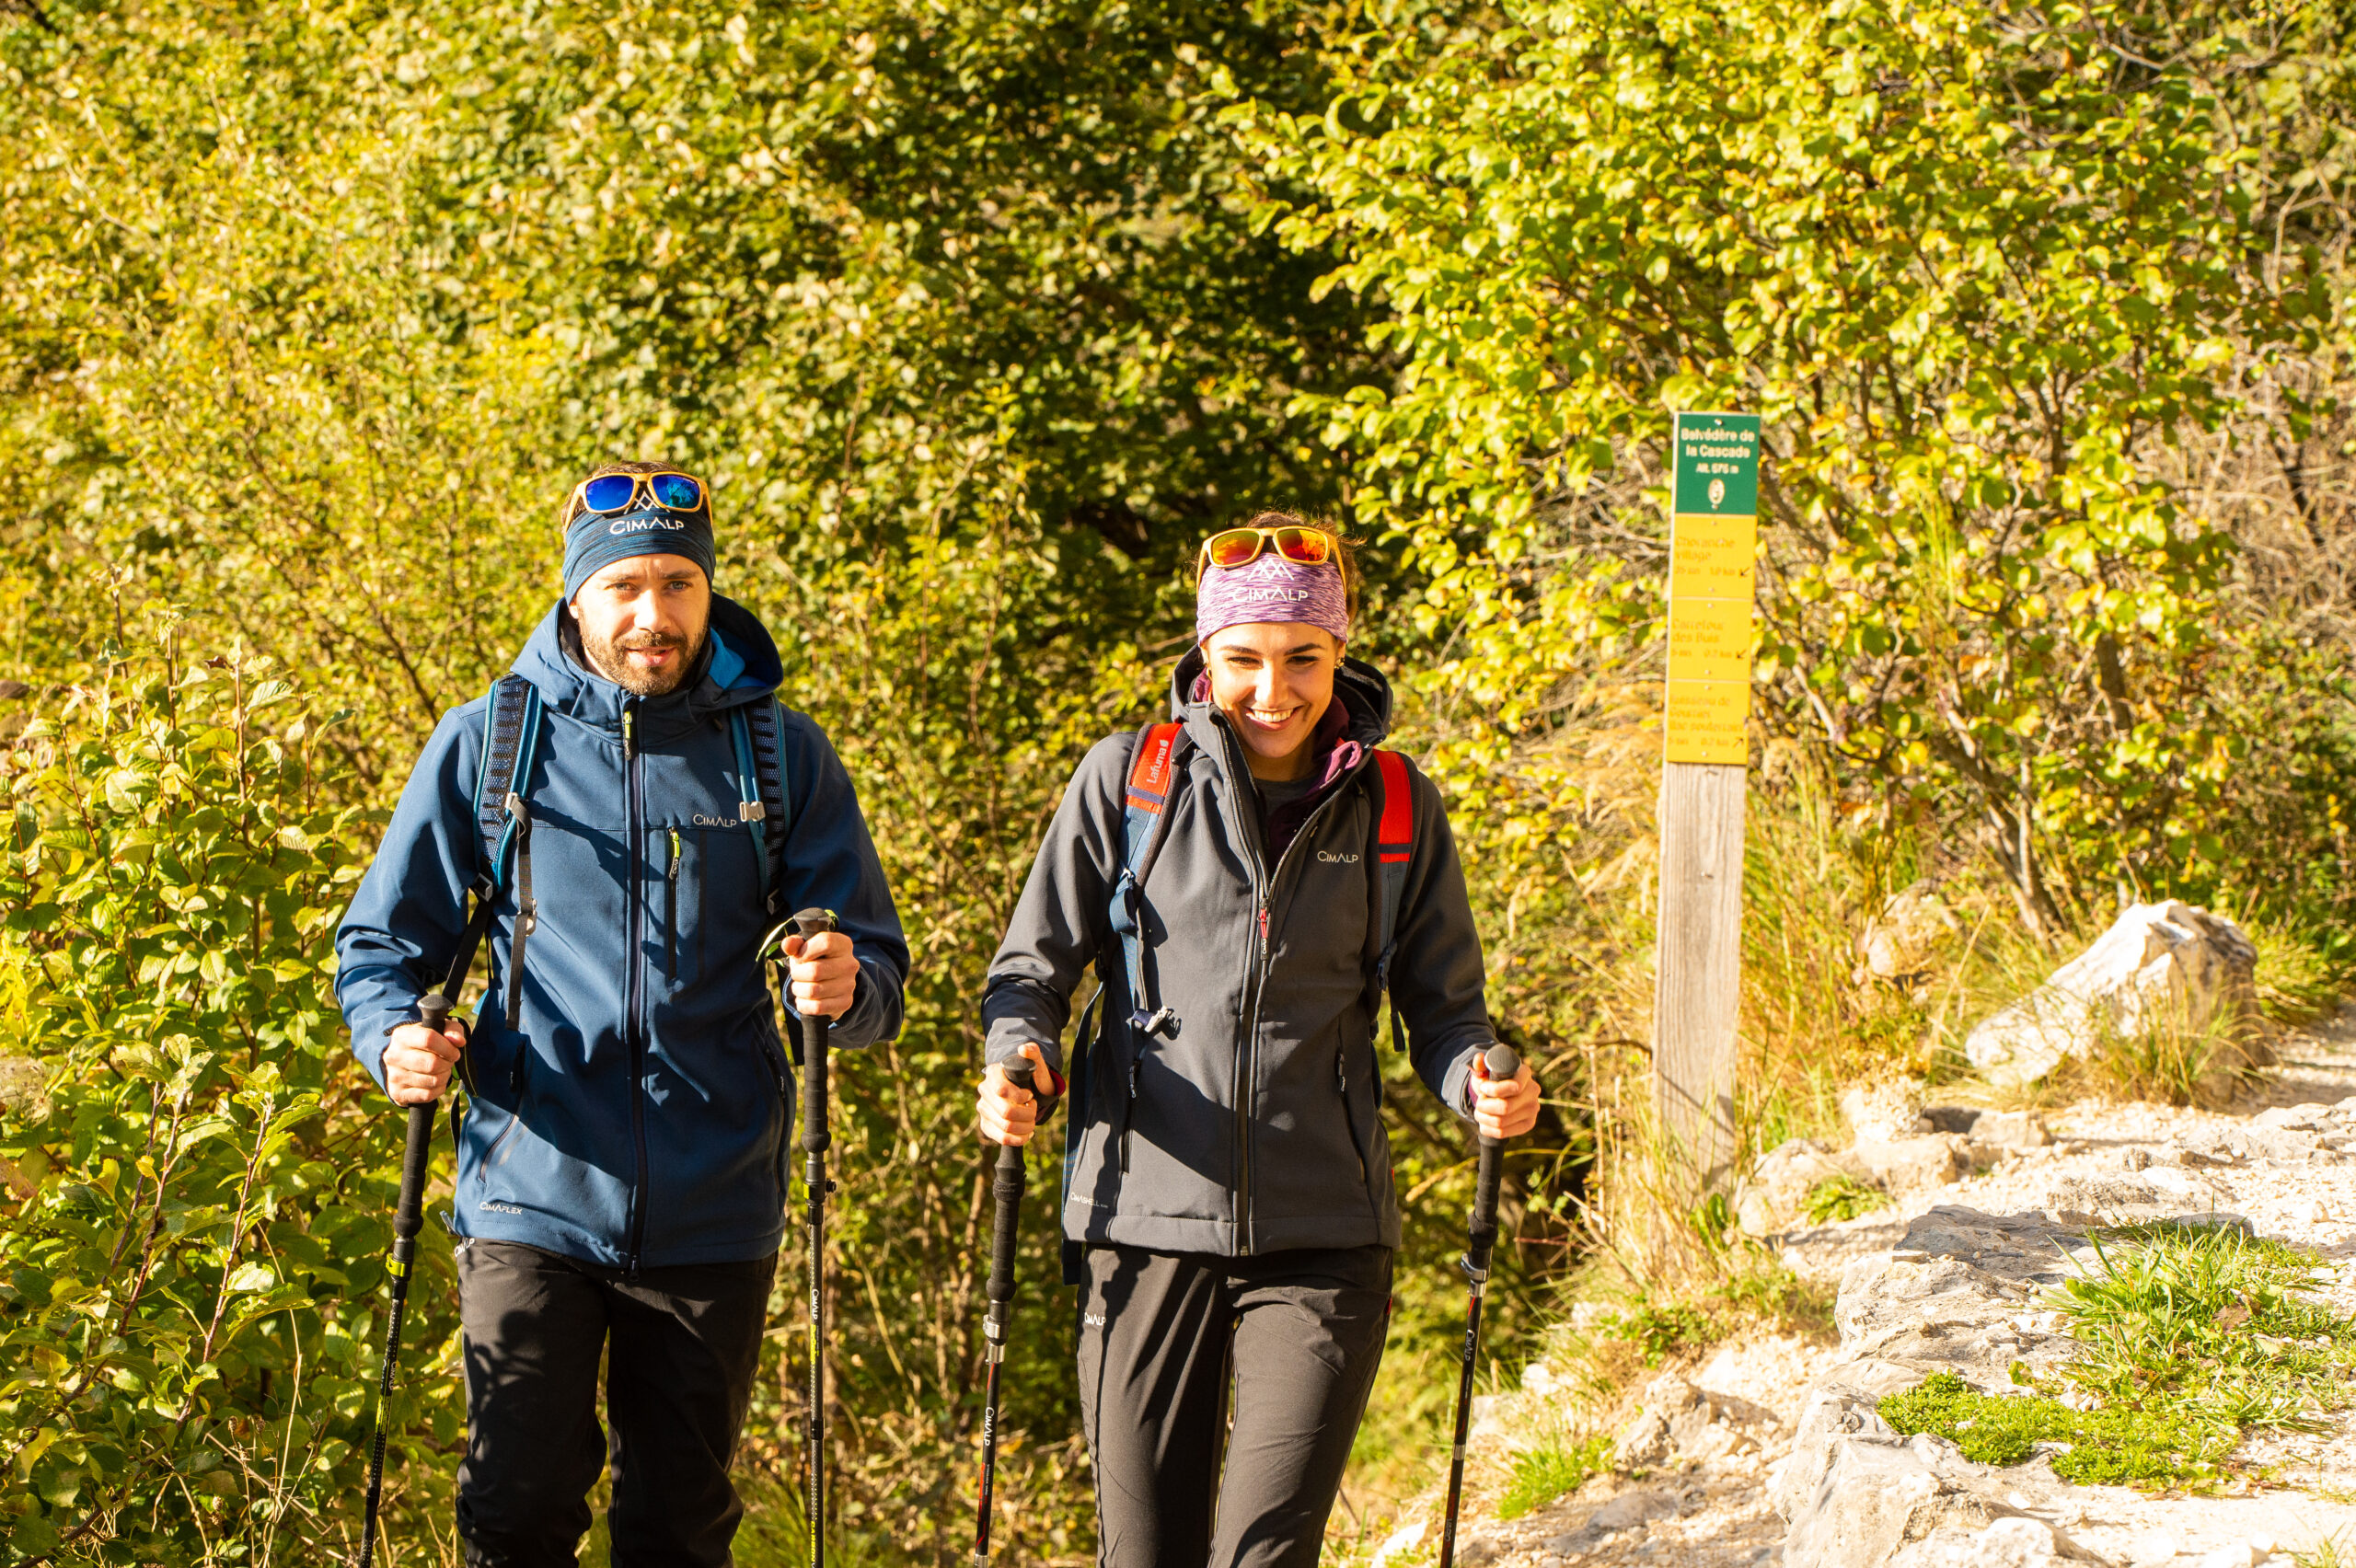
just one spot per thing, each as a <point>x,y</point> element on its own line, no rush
<point>1093,1320</point>
<point>643,525</point>
<point>702,821</point>
<point>1329,858</point>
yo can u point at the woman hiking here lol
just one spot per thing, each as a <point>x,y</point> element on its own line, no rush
<point>1230,1178</point>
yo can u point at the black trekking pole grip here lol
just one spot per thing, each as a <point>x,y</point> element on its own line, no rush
<point>1007,1182</point>
<point>816,1138</point>
<point>1501,1064</point>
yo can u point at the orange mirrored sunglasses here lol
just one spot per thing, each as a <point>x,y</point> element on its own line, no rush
<point>1241,547</point>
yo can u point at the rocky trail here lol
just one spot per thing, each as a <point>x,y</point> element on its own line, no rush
<point>1770,1449</point>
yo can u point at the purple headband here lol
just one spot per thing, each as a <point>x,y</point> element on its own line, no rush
<point>1270,588</point>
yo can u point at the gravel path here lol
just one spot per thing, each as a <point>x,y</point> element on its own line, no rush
<point>2284,1159</point>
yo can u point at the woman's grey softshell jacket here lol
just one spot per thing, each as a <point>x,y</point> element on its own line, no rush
<point>1258,1127</point>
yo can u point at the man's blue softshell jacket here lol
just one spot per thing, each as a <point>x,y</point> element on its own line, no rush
<point>639,1110</point>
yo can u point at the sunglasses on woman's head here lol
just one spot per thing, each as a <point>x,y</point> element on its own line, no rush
<point>619,492</point>
<point>1241,547</point>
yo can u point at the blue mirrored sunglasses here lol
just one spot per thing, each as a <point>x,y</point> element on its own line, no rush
<point>619,492</point>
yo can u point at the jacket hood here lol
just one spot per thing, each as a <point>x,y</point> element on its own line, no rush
<point>739,665</point>
<point>1358,687</point>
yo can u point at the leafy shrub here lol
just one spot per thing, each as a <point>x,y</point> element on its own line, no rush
<point>1543,1474</point>
<point>191,1271</point>
<point>2188,1336</point>
<point>1844,1197</point>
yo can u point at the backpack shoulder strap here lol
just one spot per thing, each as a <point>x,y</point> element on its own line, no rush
<point>511,738</point>
<point>764,799</point>
<point>1393,852</point>
<point>1156,768</point>
<point>511,741</point>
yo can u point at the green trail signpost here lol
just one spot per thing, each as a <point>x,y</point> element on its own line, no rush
<point>1712,556</point>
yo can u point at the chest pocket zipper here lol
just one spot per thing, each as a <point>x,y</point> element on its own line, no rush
<point>671,911</point>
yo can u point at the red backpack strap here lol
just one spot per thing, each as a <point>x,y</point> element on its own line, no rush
<point>1395,836</point>
<point>1394,847</point>
<point>1149,771</point>
<point>1153,773</point>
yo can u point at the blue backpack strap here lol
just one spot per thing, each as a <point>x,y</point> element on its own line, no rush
<point>1153,780</point>
<point>1394,850</point>
<point>510,742</point>
<point>762,801</point>
<point>751,810</point>
<point>767,724</point>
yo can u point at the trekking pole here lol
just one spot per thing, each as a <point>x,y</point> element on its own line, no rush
<point>814,1138</point>
<point>1007,1181</point>
<point>408,1218</point>
<point>1481,1237</point>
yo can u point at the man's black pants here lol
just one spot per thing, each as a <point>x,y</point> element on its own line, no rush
<point>1297,1335</point>
<point>681,1347</point>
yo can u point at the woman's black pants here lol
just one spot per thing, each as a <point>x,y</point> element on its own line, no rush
<point>1166,1340</point>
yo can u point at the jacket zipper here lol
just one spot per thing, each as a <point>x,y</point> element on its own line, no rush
<point>1263,893</point>
<point>671,912</point>
<point>632,1030</point>
<point>1349,1117</point>
<point>1128,1116</point>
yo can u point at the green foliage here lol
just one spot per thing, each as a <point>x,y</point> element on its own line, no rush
<point>189,1279</point>
<point>1661,1330</point>
<point>1974,271</point>
<point>2105,1448</point>
<point>1540,1475</point>
<point>1844,1197</point>
<point>2187,1336</point>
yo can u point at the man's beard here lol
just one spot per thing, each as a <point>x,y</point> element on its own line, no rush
<point>611,659</point>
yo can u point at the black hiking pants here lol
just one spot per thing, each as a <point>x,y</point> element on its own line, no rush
<point>1166,1340</point>
<point>680,1346</point>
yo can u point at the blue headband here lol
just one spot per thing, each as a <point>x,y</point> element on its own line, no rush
<point>596,540</point>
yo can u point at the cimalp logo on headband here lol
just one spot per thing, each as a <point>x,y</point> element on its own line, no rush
<point>644,524</point>
<point>1270,591</point>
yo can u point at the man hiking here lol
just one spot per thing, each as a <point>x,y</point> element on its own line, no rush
<point>1242,879</point>
<point>642,813</point>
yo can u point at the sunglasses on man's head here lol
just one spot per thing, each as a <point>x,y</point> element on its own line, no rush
<point>1241,547</point>
<point>620,492</point>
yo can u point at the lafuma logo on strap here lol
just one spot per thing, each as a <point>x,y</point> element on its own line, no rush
<point>1150,774</point>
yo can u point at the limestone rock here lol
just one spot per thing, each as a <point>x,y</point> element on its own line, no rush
<point>1883,1111</point>
<point>1629,1509</point>
<point>1875,1497</point>
<point>1911,1164</point>
<point>2010,1129</point>
<point>1776,1192</point>
<point>2161,965</point>
<point>1668,1399</point>
<point>2015,1542</point>
<point>1900,942</point>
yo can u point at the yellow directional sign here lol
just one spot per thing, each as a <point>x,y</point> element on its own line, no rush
<point>1713,576</point>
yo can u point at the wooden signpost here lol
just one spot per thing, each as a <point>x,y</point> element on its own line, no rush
<point>1712,550</point>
